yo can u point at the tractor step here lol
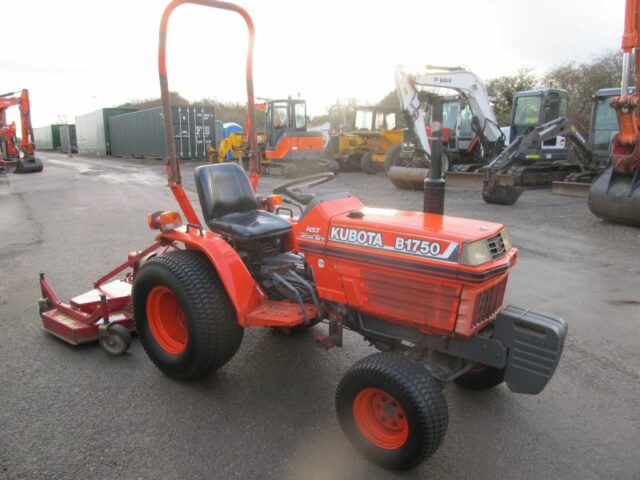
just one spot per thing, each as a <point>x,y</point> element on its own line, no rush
<point>280,313</point>
<point>76,332</point>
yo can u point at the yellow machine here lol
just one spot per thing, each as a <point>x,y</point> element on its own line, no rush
<point>361,137</point>
<point>235,143</point>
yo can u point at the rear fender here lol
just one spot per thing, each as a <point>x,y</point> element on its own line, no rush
<point>241,287</point>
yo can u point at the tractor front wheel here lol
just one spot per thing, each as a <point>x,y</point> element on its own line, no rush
<point>392,410</point>
<point>183,316</point>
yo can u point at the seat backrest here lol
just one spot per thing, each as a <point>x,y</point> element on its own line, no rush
<point>224,188</point>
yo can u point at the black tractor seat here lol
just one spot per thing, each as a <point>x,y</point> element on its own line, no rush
<point>229,204</point>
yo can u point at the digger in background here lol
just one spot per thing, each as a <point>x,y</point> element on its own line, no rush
<point>23,157</point>
<point>291,149</point>
<point>361,136</point>
<point>615,193</point>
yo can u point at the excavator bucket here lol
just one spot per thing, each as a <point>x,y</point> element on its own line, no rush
<point>501,194</point>
<point>29,166</point>
<point>408,178</point>
<point>616,197</point>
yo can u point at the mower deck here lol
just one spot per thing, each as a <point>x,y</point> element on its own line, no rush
<point>79,321</point>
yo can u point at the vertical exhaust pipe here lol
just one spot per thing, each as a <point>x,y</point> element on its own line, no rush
<point>434,183</point>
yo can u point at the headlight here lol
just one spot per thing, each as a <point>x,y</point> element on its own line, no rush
<point>506,240</point>
<point>476,253</point>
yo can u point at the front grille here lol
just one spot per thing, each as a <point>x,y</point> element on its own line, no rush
<point>488,303</point>
<point>496,246</point>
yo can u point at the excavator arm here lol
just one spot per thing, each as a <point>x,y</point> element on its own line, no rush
<point>614,195</point>
<point>495,192</point>
<point>559,127</point>
<point>466,83</point>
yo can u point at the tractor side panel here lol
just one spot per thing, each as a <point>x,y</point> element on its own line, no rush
<point>310,235</point>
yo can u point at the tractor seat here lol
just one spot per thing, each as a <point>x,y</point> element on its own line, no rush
<point>229,204</point>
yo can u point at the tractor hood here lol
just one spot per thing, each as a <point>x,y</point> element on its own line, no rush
<point>427,236</point>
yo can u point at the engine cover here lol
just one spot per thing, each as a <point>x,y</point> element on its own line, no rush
<point>402,266</point>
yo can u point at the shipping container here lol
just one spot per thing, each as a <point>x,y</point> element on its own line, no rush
<point>141,134</point>
<point>47,138</point>
<point>92,131</point>
<point>68,138</point>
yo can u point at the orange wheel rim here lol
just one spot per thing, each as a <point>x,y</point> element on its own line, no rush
<point>380,418</point>
<point>166,320</point>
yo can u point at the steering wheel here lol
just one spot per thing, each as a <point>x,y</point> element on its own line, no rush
<point>291,188</point>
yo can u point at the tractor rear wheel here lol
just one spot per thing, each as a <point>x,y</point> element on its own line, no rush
<point>481,377</point>
<point>366,163</point>
<point>392,410</point>
<point>392,157</point>
<point>183,316</point>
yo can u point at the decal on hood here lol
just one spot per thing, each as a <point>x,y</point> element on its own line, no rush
<point>438,249</point>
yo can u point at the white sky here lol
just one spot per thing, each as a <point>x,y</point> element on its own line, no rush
<point>76,56</point>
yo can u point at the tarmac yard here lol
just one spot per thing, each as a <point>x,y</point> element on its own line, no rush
<point>76,412</point>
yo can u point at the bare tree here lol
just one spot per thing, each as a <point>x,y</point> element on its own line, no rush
<point>582,80</point>
<point>503,88</point>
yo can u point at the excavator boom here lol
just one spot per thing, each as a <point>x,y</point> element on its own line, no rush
<point>615,194</point>
<point>409,80</point>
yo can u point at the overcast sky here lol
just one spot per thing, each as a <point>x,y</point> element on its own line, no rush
<point>76,56</point>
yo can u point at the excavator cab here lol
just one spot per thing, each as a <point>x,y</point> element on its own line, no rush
<point>604,123</point>
<point>291,149</point>
<point>532,108</point>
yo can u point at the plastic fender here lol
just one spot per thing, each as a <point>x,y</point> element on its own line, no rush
<point>243,290</point>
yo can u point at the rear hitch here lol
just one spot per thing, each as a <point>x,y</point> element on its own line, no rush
<point>334,339</point>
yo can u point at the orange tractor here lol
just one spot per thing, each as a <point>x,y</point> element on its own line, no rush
<point>23,157</point>
<point>423,288</point>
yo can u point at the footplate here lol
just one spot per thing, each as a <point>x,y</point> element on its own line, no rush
<point>279,313</point>
<point>534,342</point>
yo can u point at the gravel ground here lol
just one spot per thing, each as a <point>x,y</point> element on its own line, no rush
<point>72,412</point>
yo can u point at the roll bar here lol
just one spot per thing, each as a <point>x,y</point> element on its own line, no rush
<point>173,164</point>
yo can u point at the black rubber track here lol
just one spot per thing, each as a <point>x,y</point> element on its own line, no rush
<point>417,392</point>
<point>484,379</point>
<point>214,335</point>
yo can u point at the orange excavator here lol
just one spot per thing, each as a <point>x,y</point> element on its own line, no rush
<point>615,193</point>
<point>10,153</point>
<point>291,148</point>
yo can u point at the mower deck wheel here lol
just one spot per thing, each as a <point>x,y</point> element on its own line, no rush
<point>392,410</point>
<point>115,339</point>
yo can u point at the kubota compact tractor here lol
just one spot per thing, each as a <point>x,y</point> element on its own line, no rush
<point>424,288</point>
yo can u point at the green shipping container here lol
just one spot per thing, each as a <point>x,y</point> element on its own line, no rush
<point>92,131</point>
<point>47,138</point>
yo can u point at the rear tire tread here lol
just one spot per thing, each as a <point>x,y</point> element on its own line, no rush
<point>219,335</point>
